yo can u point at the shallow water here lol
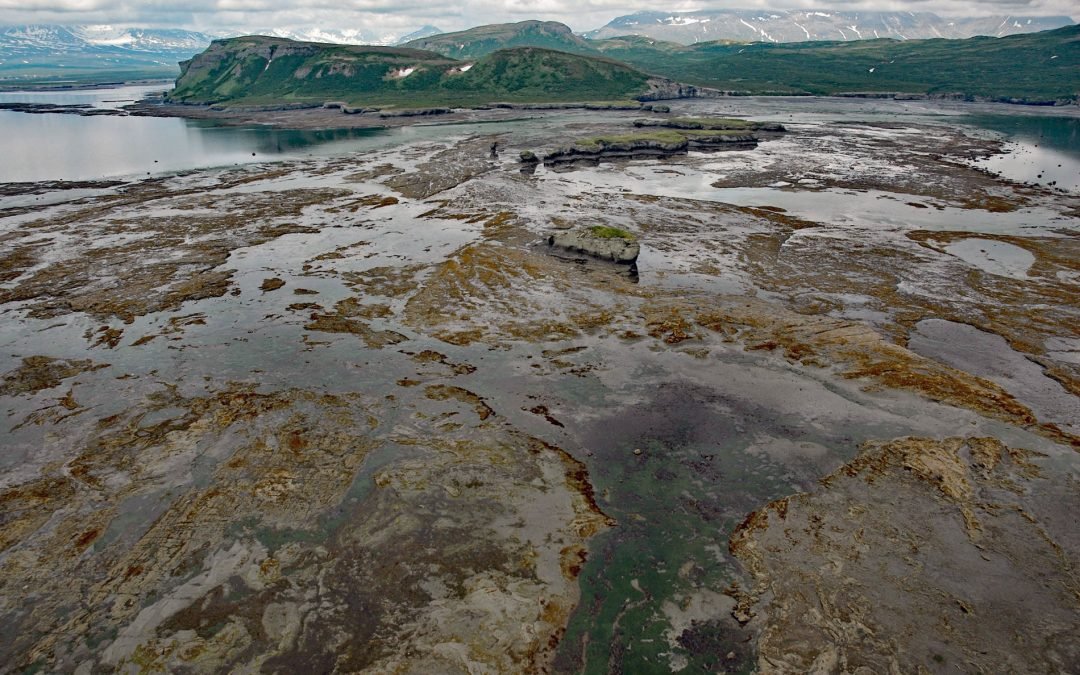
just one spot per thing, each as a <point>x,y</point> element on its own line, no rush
<point>1044,150</point>
<point>850,209</point>
<point>995,257</point>
<point>1044,141</point>
<point>72,147</point>
<point>987,355</point>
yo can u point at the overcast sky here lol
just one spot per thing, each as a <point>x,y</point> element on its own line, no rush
<point>399,16</point>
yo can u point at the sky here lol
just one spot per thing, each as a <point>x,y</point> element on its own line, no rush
<point>402,16</point>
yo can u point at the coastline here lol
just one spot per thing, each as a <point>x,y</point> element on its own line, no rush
<point>321,117</point>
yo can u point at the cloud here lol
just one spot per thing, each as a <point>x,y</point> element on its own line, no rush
<point>379,16</point>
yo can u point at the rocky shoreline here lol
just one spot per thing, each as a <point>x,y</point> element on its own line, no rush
<point>401,411</point>
<point>952,96</point>
<point>82,110</point>
<point>675,136</point>
<point>339,114</point>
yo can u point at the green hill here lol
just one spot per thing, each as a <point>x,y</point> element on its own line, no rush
<point>1041,66</point>
<point>543,75</point>
<point>482,40</point>
<point>489,64</point>
<point>274,71</point>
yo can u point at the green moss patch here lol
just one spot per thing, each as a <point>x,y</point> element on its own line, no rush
<point>609,232</point>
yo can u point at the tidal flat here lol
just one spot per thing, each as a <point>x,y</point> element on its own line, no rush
<point>350,412</point>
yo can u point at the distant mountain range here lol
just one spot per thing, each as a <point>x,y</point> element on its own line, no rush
<point>756,25</point>
<point>426,31</point>
<point>346,36</point>
<point>53,52</point>
<point>47,39</point>
<point>49,50</point>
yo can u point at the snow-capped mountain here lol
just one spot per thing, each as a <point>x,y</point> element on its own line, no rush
<point>52,40</point>
<point>347,36</point>
<point>37,50</point>
<point>46,50</point>
<point>802,25</point>
<point>426,31</point>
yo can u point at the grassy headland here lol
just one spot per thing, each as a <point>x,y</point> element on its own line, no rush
<point>261,70</point>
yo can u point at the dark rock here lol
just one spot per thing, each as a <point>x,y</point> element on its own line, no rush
<point>83,110</point>
<point>711,124</point>
<point>271,284</point>
<point>416,112</point>
<point>628,148</point>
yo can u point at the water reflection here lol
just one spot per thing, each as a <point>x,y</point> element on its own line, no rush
<point>1055,133</point>
<point>70,147</point>
<point>1046,150</point>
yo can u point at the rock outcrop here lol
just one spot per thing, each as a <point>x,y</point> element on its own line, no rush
<point>710,124</point>
<point>599,242</point>
<point>920,555</point>
<point>83,110</point>
<point>415,112</point>
<point>563,106</point>
<point>663,144</point>
<point>661,89</point>
<point>594,151</point>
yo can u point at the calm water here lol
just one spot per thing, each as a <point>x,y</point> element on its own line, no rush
<point>108,97</point>
<point>1046,151</point>
<point>69,147</point>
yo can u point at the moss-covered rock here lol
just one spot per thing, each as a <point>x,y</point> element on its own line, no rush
<point>609,232</point>
<point>600,241</point>
<point>659,143</point>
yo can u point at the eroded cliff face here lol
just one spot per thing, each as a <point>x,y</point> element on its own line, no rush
<point>661,88</point>
<point>225,60</point>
